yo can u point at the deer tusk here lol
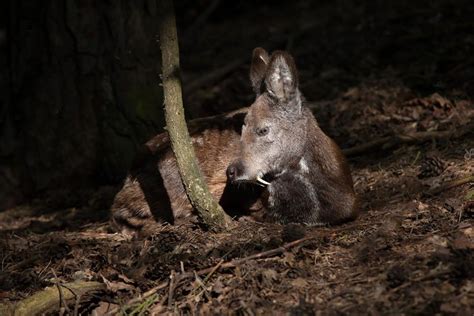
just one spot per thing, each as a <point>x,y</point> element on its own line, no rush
<point>261,181</point>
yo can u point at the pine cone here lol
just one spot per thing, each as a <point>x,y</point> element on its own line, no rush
<point>468,210</point>
<point>431,166</point>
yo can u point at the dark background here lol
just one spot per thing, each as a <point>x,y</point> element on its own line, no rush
<point>80,87</point>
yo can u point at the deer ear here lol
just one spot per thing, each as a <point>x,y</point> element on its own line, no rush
<point>258,68</point>
<point>282,78</point>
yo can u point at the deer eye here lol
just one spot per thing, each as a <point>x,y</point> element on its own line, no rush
<point>262,131</point>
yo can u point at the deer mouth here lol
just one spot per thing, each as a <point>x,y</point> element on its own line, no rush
<point>266,179</point>
<point>236,174</point>
<point>258,181</point>
<point>262,180</point>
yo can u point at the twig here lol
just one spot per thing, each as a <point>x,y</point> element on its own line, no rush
<point>171,288</point>
<point>76,305</point>
<point>420,279</point>
<point>190,31</point>
<point>203,282</point>
<point>213,270</point>
<point>268,253</point>
<point>449,185</point>
<point>62,302</point>
<point>21,265</point>
<point>202,285</point>
<point>77,297</point>
<point>416,158</point>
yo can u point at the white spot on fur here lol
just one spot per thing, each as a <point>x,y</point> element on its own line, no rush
<point>271,200</point>
<point>304,166</point>
<point>311,191</point>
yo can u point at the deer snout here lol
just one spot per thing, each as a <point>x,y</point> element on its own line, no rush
<point>235,171</point>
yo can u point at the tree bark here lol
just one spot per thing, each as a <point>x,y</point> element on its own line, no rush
<point>78,93</point>
<point>196,188</point>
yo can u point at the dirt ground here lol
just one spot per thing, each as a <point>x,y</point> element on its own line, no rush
<point>367,76</point>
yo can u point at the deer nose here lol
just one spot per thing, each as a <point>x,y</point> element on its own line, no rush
<point>234,170</point>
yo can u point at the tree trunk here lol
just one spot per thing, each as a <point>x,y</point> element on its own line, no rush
<point>78,92</point>
<point>196,188</point>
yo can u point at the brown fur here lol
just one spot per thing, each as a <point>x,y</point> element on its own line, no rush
<point>153,191</point>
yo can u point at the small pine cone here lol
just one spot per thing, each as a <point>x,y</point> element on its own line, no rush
<point>431,167</point>
<point>468,210</point>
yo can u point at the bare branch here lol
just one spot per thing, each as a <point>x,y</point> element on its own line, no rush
<point>196,188</point>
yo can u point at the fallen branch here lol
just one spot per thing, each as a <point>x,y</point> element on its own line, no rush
<point>49,299</point>
<point>422,278</point>
<point>216,74</point>
<point>213,76</point>
<point>449,185</point>
<point>418,137</point>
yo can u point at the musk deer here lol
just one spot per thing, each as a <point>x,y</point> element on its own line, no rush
<point>272,158</point>
<point>306,177</point>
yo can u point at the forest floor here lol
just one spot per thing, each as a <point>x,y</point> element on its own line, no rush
<point>411,251</point>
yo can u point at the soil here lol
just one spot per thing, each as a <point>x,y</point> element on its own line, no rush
<point>370,70</point>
